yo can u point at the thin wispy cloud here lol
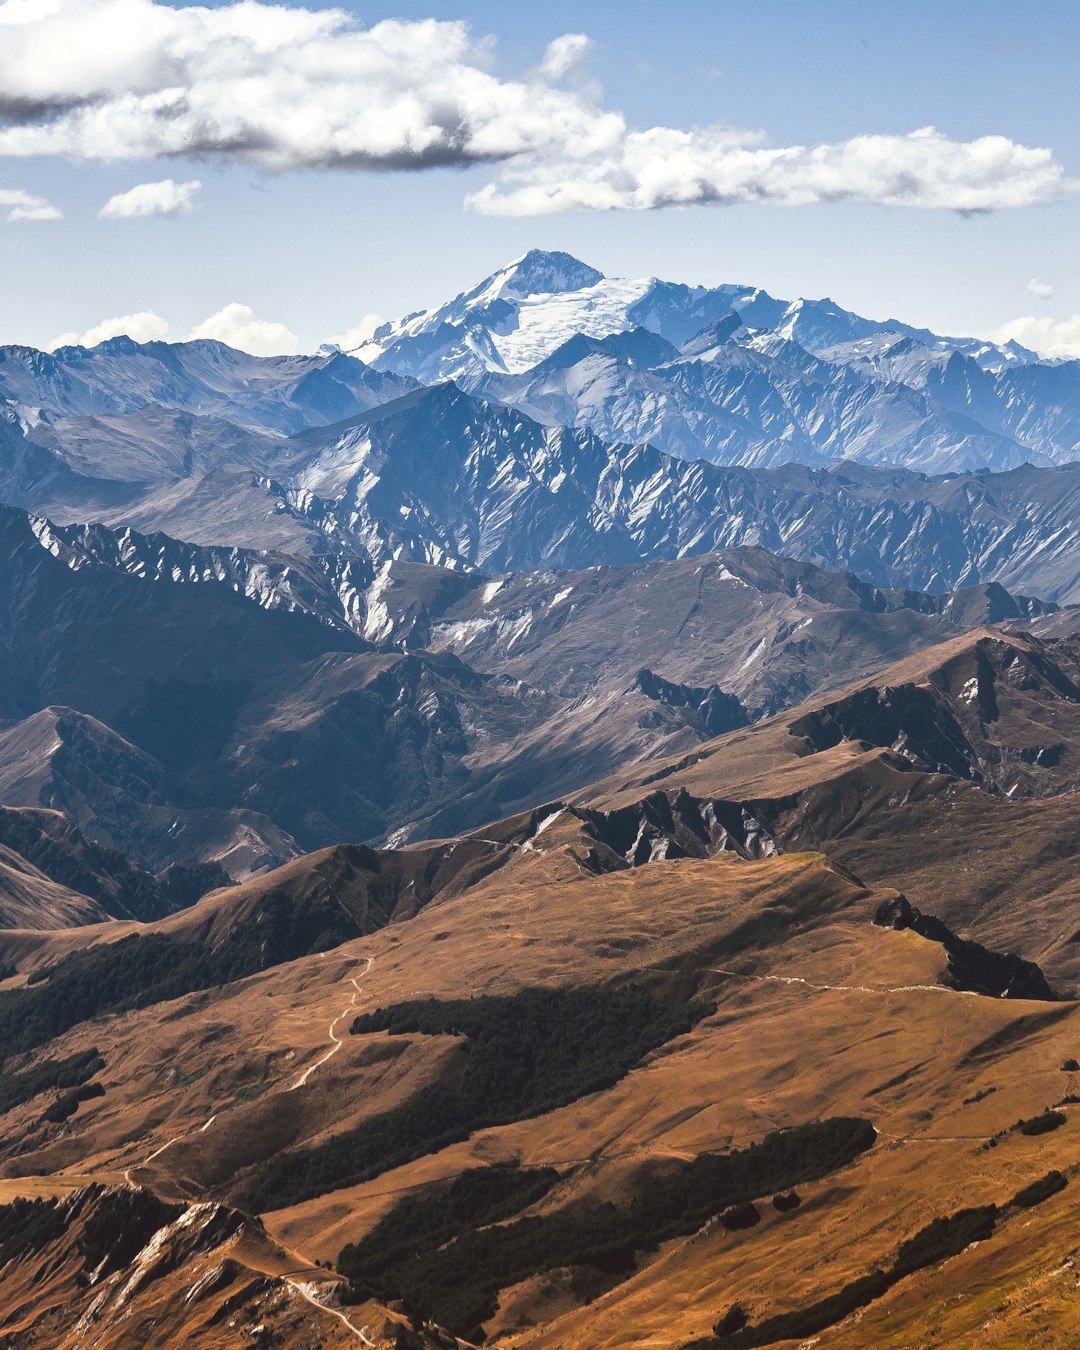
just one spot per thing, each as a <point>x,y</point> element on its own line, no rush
<point>165,198</point>
<point>286,88</point>
<point>1041,290</point>
<point>16,204</point>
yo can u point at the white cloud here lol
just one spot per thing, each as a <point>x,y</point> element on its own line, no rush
<point>278,86</point>
<point>1041,290</point>
<point>664,167</point>
<point>358,334</point>
<point>22,205</point>
<point>234,324</point>
<point>237,326</point>
<point>1052,337</point>
<point>164,198</point>
<point>565,54</point>
<point>145,326</point>
<point>284,87</point>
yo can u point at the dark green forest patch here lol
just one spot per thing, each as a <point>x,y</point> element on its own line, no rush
<point>525,1054</point>
<point>1040,1190</point>
<point>17,1088</point>
<point>937,1242</point>
<point>118,1223</point>
<point>141,970</point>
<point>65,1107</point>
<point>453,1274</point>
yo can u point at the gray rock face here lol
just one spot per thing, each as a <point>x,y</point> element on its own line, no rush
<point>449,480</point>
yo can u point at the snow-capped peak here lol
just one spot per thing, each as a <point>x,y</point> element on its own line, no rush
<point>544,273</point>
<point>528,308</point>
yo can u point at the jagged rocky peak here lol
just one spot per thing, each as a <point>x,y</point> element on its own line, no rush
<point>713,335</point>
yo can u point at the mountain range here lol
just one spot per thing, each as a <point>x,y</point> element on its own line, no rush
<point>556,829</point>
<point>734,376</point>
<point>196,705</point>
<point>602,422</point>
<point>758,1071</point>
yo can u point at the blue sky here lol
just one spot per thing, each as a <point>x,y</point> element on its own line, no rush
<point>310,250</point>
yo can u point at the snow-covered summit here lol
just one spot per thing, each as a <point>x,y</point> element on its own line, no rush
<point>510,321</point>
<point>519,315</point>
<point>539,272</point>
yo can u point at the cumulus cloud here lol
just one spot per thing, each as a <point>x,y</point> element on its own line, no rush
<point>164,198</point>
<point>664,167</point>
<point>281,87</point>
<point>145,326</point>
<point>358,334</point>
<point>21,205</point>
<point>1041,290</point>
<point>1052,337</point>
<point>284,87</point>
<point>237,326</point>
<point>234,324</point>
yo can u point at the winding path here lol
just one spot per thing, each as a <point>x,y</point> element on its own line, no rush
<point>844,988</point>
<point>304,1292</point>
<point>338,1041</point>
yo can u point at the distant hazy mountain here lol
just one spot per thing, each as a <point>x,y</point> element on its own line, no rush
<point>733,375</point>
<point>280,394</point>
<point>728,373</point>
<point>589,421</point>
<point>519,315</point>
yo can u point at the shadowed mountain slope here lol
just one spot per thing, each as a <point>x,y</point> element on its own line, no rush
<point>184,705</point>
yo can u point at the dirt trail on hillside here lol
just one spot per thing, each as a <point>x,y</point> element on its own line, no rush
<point>337,1041</point>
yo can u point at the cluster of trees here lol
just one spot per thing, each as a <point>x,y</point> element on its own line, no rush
<point>944,1238</point>
<point>27,1226</point>
<point>65,1107</point>
<point>436,1215</point>
<point>524,1054</point>
<point>16,1088</point>
<point>454,1274</point>
<point>938,1241</point>
<point>1040,1190</point>
<point>119,1225</point>
<point>738,1217</point>
<point>1043,1123</point>
<point>144,969</point>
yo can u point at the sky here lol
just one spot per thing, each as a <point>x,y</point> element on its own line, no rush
<point>280,177</point>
